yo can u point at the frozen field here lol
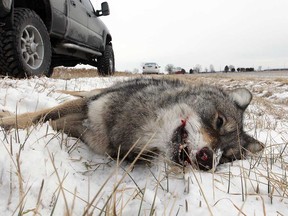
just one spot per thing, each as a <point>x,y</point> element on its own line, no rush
<point>44,172</point>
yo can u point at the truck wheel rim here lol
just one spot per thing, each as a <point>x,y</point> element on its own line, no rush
<point>32,47</point>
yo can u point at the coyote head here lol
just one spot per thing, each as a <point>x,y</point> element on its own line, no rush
<point>207,127</point>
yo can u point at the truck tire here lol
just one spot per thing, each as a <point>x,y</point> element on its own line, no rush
<point>25,49</point>
<point>106,63</point>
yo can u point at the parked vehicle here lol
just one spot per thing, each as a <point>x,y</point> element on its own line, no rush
<point>36,36</point>
<point>151,68</point>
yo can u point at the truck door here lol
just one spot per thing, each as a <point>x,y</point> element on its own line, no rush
<point>77,21</point>
<point>95,26</point>
<point>59,17</point>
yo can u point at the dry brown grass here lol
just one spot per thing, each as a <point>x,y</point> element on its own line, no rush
<point>68,73</point>
<point>72,73</point>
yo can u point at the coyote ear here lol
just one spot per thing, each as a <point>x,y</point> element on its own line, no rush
<point>241,96</point>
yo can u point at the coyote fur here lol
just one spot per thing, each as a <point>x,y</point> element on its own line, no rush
<point>187,124</point>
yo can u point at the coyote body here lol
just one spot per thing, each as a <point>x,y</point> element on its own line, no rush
<point>187,124</point>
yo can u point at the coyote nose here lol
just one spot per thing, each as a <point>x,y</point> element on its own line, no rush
<point>204,159</point>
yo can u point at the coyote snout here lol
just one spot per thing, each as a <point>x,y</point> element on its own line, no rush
<point>198,125</point>
<point>185,152</point>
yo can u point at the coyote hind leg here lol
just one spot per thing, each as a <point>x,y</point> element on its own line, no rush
<point>27,119</point>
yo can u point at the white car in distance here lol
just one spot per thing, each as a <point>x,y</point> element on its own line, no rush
<point>151,68</point>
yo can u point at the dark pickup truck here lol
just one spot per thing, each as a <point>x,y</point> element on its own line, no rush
<point>38,35</point>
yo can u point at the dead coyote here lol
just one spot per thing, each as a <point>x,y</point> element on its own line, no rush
<point>187,124</point>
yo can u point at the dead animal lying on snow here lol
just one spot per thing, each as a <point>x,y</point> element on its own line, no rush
<point>200,125</point>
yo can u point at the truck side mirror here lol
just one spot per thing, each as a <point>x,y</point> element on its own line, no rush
<point>104,10</point>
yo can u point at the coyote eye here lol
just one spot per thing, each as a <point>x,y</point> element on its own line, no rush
<point>219,122</point>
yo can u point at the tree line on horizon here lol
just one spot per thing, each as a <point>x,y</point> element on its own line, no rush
<point>198,68</point>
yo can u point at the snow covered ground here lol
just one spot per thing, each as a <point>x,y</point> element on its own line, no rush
<point>45,172</point>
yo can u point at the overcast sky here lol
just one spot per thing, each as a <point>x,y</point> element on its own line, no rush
<point>243,33</point>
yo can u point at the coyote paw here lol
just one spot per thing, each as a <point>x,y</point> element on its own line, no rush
<point>4,113</point>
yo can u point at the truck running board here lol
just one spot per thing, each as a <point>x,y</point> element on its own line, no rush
<point>83,49</point>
